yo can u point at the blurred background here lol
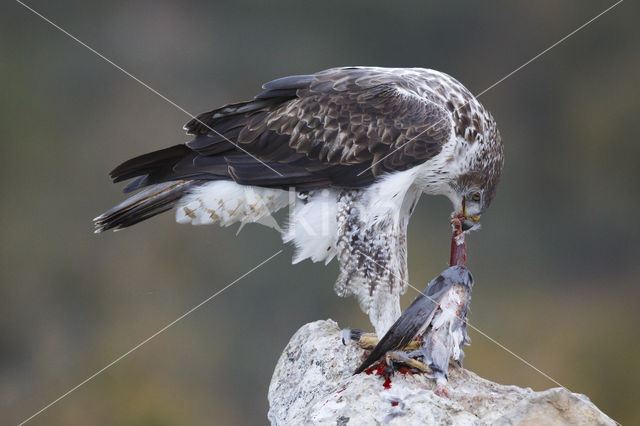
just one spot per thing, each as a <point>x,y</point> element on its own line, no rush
<point>556,264</point>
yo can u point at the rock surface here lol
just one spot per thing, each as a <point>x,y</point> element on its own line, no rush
<point>313,383</point>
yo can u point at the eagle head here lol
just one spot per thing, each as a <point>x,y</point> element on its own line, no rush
<point>474,188</point>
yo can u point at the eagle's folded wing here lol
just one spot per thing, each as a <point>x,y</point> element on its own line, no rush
<point>341,127</point>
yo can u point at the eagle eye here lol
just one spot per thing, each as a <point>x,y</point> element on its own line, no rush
<point>476,196</point>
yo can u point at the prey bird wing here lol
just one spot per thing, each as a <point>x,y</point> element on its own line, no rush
<point>417,317</point>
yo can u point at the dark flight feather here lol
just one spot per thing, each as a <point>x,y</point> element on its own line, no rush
<point>143,205</point>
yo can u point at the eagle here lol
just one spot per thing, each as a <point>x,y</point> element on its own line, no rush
<point>350,150</point>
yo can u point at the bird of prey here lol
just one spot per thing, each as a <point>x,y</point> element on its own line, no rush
<point>437,320</point>
<point>356,146</point>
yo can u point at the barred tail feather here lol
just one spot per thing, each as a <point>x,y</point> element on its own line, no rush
<point>149,202</point>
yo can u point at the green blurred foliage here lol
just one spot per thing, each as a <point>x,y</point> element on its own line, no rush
<point>556,263</point>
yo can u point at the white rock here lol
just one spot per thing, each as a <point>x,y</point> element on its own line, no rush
<point>313,383</point>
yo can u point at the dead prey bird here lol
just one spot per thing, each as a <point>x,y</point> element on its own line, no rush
<point>431,332</point>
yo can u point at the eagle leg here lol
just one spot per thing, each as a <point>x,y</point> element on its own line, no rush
<point>365,340</point>
<point>401,357</point>
<point>370,340</point>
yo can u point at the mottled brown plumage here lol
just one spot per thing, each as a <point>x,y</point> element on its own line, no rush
<point>310,127</point>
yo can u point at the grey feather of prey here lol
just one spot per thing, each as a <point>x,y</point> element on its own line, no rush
<point>437,317</point>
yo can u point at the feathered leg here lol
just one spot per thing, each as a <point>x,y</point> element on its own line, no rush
<point>372,256</point>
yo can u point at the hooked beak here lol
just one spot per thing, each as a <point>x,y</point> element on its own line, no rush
<point>468,222</point>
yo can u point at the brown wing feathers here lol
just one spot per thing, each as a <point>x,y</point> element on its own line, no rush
<point>310,128</point>
<point>319,130</point>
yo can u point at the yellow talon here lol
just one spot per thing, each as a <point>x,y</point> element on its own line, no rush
<point>401,358</point>
<point>370,340</point>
